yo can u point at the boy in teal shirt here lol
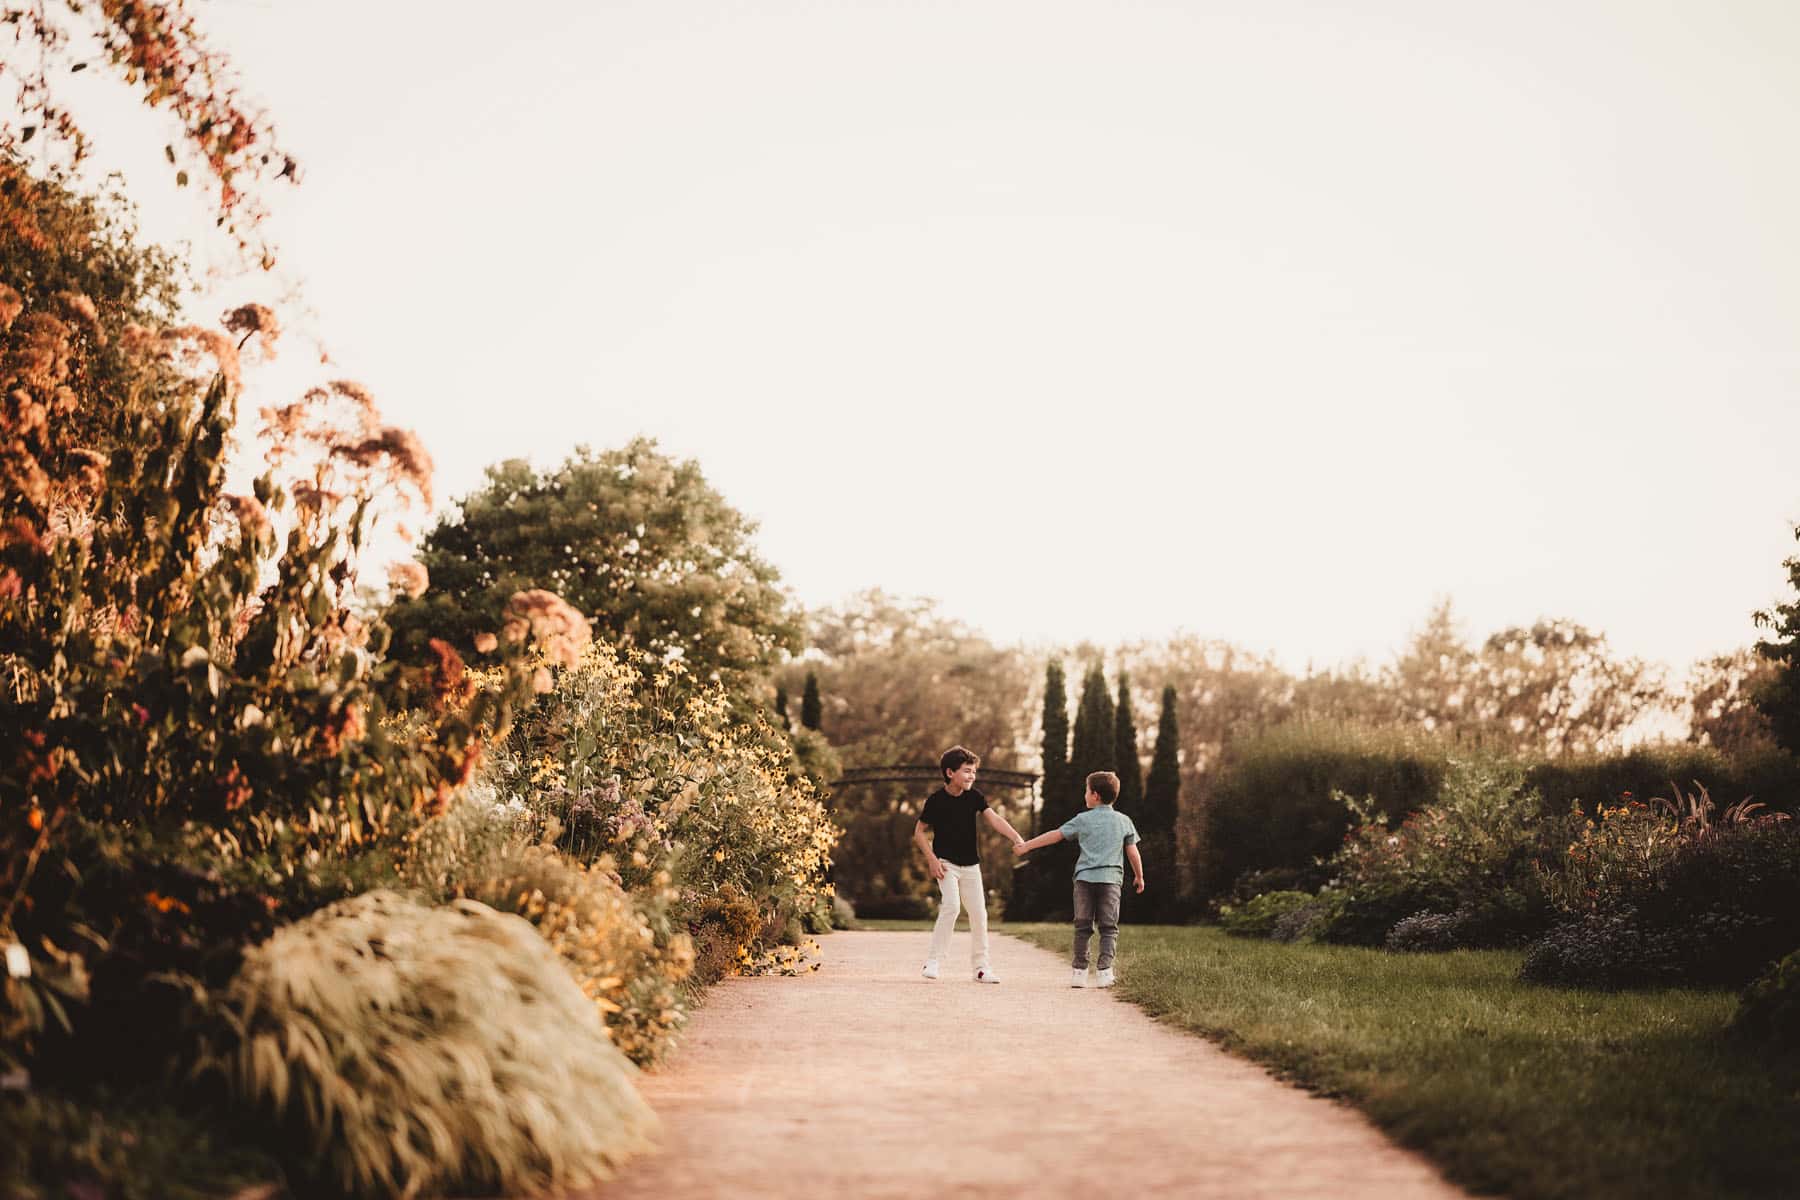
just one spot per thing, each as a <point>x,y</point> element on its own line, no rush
<point>1107,839</point>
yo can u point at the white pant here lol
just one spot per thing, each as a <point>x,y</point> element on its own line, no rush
<point>961,887</point>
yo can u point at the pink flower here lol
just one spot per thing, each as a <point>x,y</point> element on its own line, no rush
<point>562,631</point>
<point>409,576</point>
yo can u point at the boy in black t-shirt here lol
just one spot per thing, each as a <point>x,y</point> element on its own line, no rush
<point>954,860</point>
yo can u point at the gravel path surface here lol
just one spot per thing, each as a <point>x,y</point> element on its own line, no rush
<point>867,1081</point>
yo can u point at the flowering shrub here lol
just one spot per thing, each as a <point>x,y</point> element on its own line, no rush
<point>1613,855</point>
<point>1663,893</point>
<point>725,925</point>
<point>1509,917</point>
<point>1606,950</point>
<point>1473,847</point>
<point>1618,858</point>
<point>666,776</point>
<point>195,729</point>
<point>200,737</point>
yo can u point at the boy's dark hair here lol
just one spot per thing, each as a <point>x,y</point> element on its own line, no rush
<point>954,759</point>
<point>1104,784</point>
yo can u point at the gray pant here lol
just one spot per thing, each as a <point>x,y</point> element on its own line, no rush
<point>1096,902</point>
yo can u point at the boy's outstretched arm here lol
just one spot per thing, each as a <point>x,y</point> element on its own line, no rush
<point>1003,825</point>
<point>922,840</point>
<point>1137,864</point>
<point>1039,842</point>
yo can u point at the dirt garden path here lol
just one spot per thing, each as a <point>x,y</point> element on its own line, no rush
<point>867,1081</point>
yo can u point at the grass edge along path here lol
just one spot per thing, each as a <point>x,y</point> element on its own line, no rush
<point>1531,1092</point>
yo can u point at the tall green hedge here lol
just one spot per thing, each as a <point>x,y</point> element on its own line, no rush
<point>1269,802</point>
<point>1773,778</point>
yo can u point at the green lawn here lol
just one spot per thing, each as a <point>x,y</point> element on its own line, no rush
<point>1515,1090</point>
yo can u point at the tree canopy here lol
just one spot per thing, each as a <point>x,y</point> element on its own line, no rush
<point>640,543</point>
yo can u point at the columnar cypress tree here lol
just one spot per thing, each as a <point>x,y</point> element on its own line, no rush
<point>1095,732</point>
<point>1048,896</point>
<point>1056,740</point>
<point>1162,791</point>
<point>781,705</point>
<point>1034,889</point>
<point>1130,770</point>
<point>1161,808</point>
<point>811,711</point>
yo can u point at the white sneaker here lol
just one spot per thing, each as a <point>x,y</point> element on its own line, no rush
<point>986,975</point>
<point>1106,977</point>
<point>1078,977</point>
<point>931,970</point>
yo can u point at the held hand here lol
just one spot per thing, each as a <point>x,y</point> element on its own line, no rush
<point>1019,848</point>
<point>1140,885</point>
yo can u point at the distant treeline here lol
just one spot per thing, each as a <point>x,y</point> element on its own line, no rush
<point>1259,748</point>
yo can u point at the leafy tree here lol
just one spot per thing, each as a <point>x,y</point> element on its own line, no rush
<point>1433,680</point>
<point>781,708</point>
<point>638,542</point>
<point>1130,770</point>
<point>1555,688</point>
<point>1722,709</point>
<point>1225,692</point>
<point>1347,693</point>
<point>812,712</point>
<point>1778,696</point>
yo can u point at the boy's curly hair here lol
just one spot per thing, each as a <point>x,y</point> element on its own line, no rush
<point>956,757</point>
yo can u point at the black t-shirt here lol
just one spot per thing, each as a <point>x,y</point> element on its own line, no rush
<point>952,821</point>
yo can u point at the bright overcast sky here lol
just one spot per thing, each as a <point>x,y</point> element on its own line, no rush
<point>1266,321</point>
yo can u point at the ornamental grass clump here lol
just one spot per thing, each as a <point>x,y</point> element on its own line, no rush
<point>626,948</point>
<point>623,948</point>
<point>408,1050</point>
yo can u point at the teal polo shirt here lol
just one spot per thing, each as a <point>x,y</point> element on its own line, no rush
<point>1102,833</point>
